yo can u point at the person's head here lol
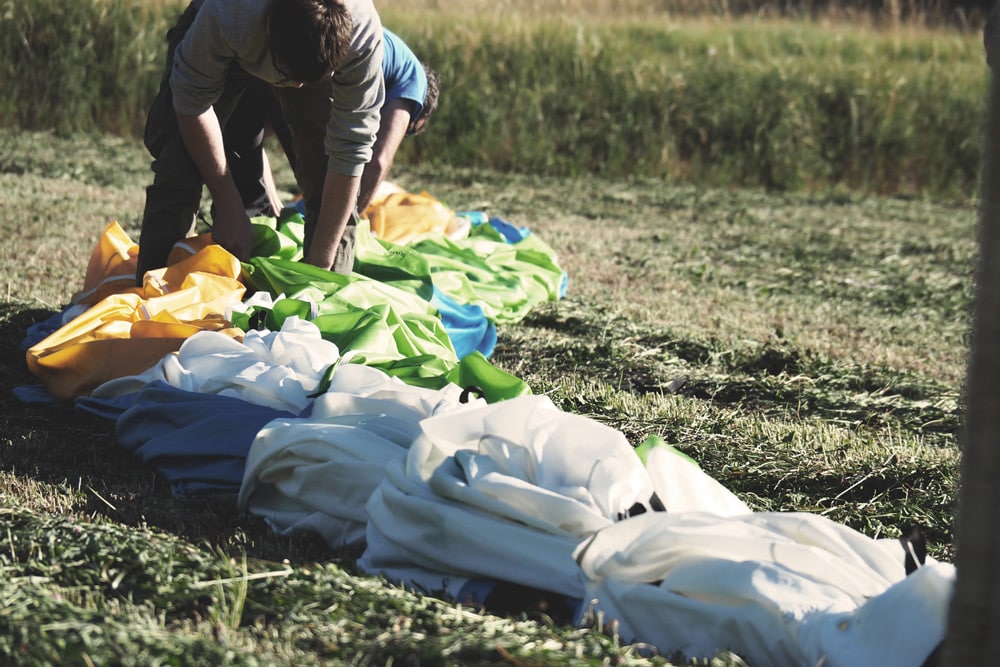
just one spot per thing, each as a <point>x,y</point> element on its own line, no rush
<point>308,38</point>
<point>419,124</point>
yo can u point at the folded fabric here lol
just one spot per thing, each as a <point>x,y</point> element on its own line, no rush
<point>378,337</point>
<point>400,217</point>
<point>681,484</point>
<point>501,493</point>
<point>317,473</point>
<point>277,369</point>
<point>466,323</point>
<point>505,492</point>
<point>782,589</point>
<point>197,442</point>
<point>111,268</point>
<point>125,333</point>
<point>506,280</point>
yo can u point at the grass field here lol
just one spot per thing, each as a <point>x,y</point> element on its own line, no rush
<point>807,350</point>
<point>719,94</point>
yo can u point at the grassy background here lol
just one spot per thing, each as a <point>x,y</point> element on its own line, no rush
<point>804,339</point>
<point>871,104</point>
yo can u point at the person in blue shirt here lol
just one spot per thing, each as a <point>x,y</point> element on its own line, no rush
<point>412,90</point>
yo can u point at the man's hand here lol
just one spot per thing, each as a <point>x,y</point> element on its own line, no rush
<point>231,229</point>
<point>340,195</point>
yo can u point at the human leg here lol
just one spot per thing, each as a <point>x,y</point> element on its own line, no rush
<point>173,199</point>
<point>243,135</point>
<point>175,194</point>
<point>172,202</point>
<point>307,113</point>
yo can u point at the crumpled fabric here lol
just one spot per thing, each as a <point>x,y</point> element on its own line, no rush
<point>411,345</point>
<point>518,492</point>
<point>466,323</point>
<point>125,333</point>
<point>316,473</point>
<point>400,217</point>
<point>782,589</point>
<point>197,442</point>
<point>505,280</point>
<point>276,369</point>
<point>681,484</point>
<point>505,492</point>
<point>111,267</point>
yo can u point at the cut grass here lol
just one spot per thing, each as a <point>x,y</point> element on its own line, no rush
<point>807,351</point>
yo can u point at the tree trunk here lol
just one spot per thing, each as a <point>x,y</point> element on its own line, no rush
<point>974,620</point>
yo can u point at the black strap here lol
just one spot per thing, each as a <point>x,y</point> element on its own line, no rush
<point>655,504</point>
<point>258,320</point>
<point>471,389</point>
<point>914,542</point>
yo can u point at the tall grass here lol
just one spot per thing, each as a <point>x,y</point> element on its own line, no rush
<point>779,105</point>
<point>75,66</point>
<point>566,88</point>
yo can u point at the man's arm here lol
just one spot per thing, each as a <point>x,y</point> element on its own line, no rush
<point>203,139</point>
<point>396,118</point>
<point>340,192</point>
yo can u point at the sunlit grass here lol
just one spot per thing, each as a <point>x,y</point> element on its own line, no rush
<point>719,97</point>
<point>807,350</point>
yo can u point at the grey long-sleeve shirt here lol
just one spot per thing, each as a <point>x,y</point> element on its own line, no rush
<point>234,31</point>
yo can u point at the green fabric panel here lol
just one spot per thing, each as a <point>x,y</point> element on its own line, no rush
<point>282,240</point>
<point>382,311</point>
<point>356,330</point>
<point>388,262</point>
<point>475,370</point>
<point>656,441</point>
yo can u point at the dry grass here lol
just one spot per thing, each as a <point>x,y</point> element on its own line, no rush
<point>908,14</point>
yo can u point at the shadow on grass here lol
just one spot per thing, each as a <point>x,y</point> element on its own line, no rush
<point>58,456</point>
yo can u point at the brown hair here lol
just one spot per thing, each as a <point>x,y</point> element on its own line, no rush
<point>308,38</point>
<point>431,97</point>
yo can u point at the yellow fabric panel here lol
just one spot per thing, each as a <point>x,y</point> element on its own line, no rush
<point>75,370</point>
<point>126,333</point>
<point>189,246</point>
<point>111,268</point>
<point>212,260</point>
<point>401,217</point>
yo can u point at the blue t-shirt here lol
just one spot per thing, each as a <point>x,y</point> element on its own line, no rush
<point>404,75</point>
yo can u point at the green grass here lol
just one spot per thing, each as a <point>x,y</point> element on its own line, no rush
<point>808,350</point>
<point>754,100</point>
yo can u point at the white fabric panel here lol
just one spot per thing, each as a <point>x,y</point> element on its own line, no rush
<point>410,527</point>
<point>529,439</point>
<point>777,588</point>
<point>275,369</point>
<point>503,491</point>
<point>316,473</point>
<point>682,486</point>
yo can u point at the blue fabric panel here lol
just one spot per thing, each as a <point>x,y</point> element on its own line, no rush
<point>197,442</point>
<point>466,324</point>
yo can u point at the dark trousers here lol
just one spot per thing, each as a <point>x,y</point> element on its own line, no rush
<point>174,197</point>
